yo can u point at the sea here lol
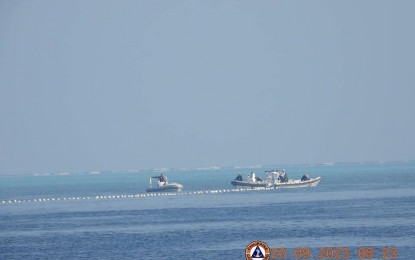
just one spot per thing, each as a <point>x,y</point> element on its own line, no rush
<point>358,211</point>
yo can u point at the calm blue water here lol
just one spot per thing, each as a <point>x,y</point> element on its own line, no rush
<point>355,205</point>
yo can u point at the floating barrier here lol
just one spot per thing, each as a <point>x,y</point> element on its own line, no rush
<point>130,196</point>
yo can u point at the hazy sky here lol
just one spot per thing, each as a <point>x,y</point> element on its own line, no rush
<point>95,85</point>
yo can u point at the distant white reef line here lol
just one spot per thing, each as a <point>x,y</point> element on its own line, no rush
<point>160,170</point>
<point>156,170</point>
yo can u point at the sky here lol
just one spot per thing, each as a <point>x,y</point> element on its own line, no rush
<point>114,85</point>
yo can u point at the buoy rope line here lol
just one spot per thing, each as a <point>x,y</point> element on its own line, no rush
<point>129,196</point>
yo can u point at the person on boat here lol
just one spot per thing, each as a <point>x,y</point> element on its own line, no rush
<point>283,177</point>
<point>162,180</point>
<point>239,178</point>
<point>305,178</point>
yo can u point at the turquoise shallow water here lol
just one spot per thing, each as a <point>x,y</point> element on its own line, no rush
<point>355,205</point>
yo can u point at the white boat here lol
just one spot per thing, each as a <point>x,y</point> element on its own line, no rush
<point>251,182</point>
<point>276,179</point>
<point>163,185</point>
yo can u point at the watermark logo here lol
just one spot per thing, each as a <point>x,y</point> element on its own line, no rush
<point>257,250</point>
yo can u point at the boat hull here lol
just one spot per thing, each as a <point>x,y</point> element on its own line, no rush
<point>171,187</point>
<point>248,184</point>
<point>312,182</point>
